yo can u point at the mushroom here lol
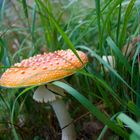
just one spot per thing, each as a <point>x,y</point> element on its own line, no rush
<point>109,59</point>
<point>44,68</point>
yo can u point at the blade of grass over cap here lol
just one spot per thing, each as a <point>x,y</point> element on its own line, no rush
<point>93,109</point>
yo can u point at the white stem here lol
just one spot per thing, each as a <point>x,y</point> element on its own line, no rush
<point>68,133</point>
<point>42,94</point>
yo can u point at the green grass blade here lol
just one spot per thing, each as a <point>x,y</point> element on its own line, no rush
<point>94,54</point>
<point>13,111</point>
<point>134,109</point>
<point>130,123</point>
<point>25,8</point>
<point>118,24</point>
<point>98,12</point>
<point>125,22</point>
<point>133,136</point>
<point>33,27</point>
<point>2,10</point>
<point>65,37</point>
<point>138,91</point>
<point>104,130</point>
<point>1,49</point>
<point>45,26</point>
<point>114,5</point>
<point>106,98</point>
<point>5,103</point>
<point>118,54</point>
<point>6,60</point>
<point>103,84</point>
<point>93,109</point>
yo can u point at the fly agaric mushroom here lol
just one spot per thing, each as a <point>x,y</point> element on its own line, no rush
<point>42,69</point>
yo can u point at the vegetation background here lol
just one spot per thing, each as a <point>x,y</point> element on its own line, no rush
<point>105,97</point>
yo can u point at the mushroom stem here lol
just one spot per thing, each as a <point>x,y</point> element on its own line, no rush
<point>42,94</point>
<point>64,119</point>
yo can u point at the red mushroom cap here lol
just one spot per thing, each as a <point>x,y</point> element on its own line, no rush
<point>43,68</point>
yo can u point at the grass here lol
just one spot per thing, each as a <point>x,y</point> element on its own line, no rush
<point>98,29</point>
